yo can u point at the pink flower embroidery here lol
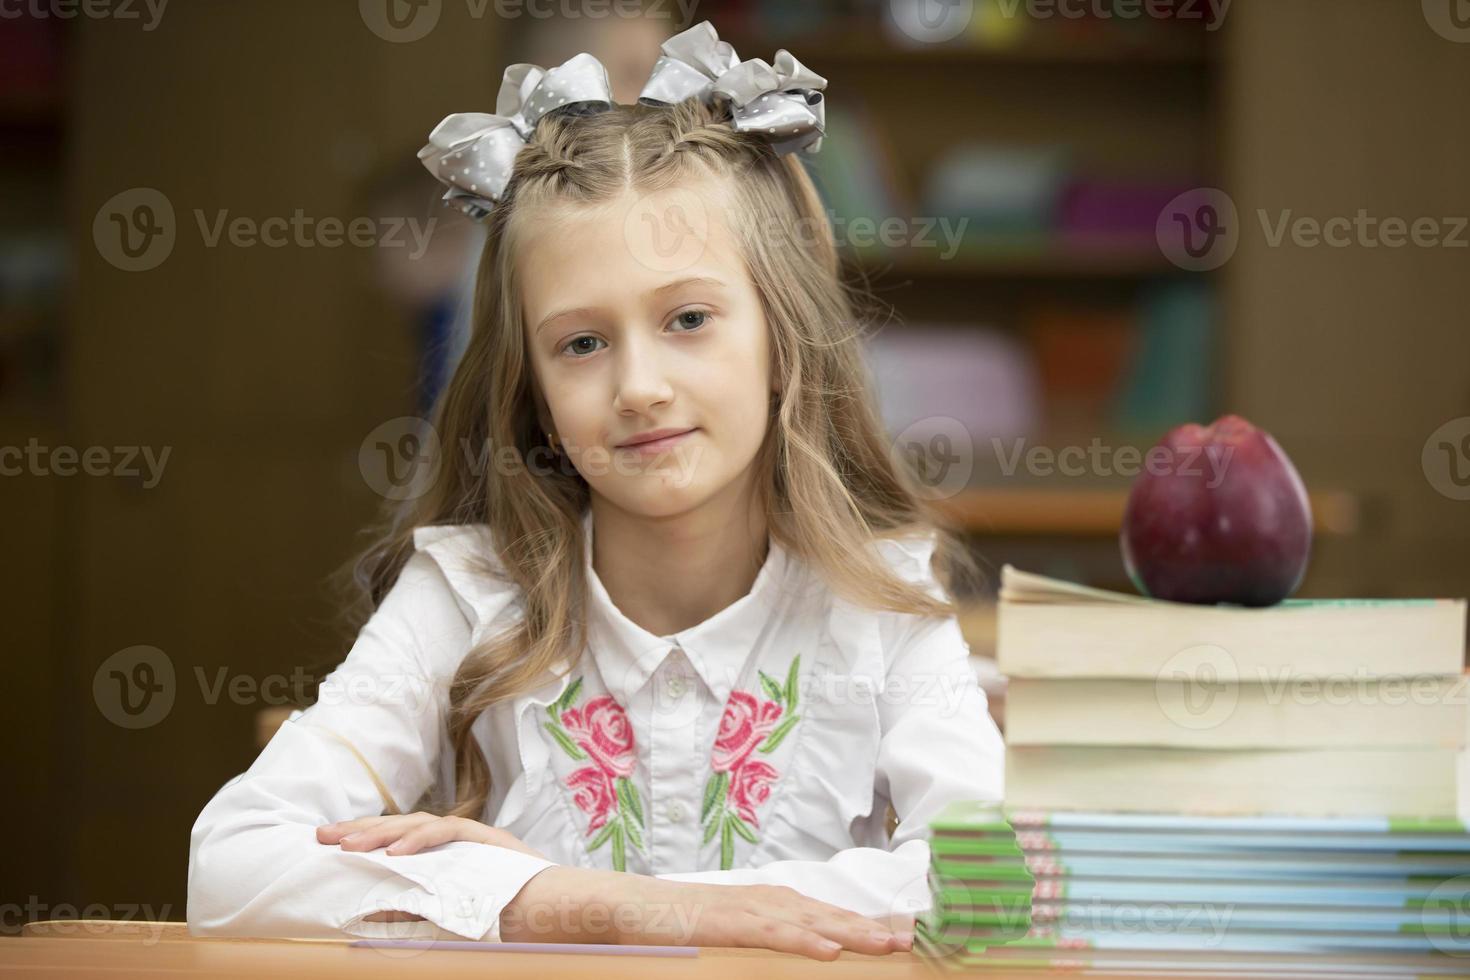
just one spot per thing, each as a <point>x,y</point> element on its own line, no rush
<point>744,724</point>
<point>601,728</point>
<point>751,788</point>
<point>593,794</point>
<point>739,784</point>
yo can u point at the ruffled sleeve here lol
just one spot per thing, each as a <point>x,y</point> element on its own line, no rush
<point>372,743</point>
<point>520,774</point>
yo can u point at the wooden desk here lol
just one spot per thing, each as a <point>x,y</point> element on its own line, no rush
<point>93,949</point>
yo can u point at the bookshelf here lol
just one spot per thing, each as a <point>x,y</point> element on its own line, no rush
<point>1099,512</point>
<point>853,40</point>
<point>1130,110</point>
<point>1123,262</point>
<point>1092,126</point>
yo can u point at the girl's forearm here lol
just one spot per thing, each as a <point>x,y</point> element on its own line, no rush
<point>564,904</point>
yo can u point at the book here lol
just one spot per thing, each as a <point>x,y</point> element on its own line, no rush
<point>1415,782</point>
<point>1301,713</point>
<point>1002,910</point>
<point>1260,953</point>
<point>1054,629</point>
<point>1180,892</point>
<point>1341,892</point>
<point>1184,865</point>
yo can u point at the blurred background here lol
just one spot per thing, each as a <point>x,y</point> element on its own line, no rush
<point>226,284</point>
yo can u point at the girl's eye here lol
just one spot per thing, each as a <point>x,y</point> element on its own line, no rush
<point>699,318</point>
<point>690,319</point>
<point>580,351</point>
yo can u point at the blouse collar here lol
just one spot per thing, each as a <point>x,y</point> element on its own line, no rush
<point>627,654</point>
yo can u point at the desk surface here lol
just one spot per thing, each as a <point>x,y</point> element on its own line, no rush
<point>136,955</point>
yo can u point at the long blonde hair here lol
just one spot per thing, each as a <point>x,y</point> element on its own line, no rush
<point>827,480</point>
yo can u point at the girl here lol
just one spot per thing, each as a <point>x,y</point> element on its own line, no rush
<point>662,624</point>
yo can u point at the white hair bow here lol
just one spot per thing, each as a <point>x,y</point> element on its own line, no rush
<point>782,102</point>
<point>473,152</point>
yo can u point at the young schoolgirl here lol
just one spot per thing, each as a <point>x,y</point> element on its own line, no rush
<point>665,630</point>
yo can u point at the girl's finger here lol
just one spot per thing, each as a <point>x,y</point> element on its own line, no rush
<point>333,832</point>
<point>856,932</point>
<point>853,931</point>
<point>384,833</point>
<point>428,835</point>
<point>784,937</point>
<point>454,828</point>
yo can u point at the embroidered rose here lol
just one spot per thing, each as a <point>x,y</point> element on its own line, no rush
<point>739,784</point>
<point>751,787</point>
<point>593,793</point>
<point>602,729</point>
<point>744,724</point>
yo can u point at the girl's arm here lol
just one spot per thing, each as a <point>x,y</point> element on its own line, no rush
<point>939,744</point>
<point>256,867</point>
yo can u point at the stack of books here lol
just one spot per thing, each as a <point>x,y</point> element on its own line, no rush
<point>1305,708</point>
<point>969,910</point>
<point>1141,893</point>
<point>1221,789</point>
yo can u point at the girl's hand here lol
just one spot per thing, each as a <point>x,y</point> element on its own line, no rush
<point>565,904</point>
<point>410,833</point>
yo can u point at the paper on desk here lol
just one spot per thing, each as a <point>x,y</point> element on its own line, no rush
<point>606,949</point>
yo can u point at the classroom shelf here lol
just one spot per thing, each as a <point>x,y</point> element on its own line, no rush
<point>1123,261</point>
<point>865,45</point>
<point>1098,512</point>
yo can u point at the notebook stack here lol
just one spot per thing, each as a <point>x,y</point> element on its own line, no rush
<point>967,907</point>
<point>1239,896</point>
<point>1220,789</point>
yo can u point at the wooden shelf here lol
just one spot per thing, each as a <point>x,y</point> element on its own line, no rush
<point>866,46</point>
<point>1122,261</point>
<point>1099,512</point>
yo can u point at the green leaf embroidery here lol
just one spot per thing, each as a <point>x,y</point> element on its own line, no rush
<point>710,828</point>
<point>791,678</point>
<point>568,696</point>
<point>619,855</point>
<point>772,689</point>
<point>562,739</point>
<point>714,794</point>
<point>635,834</point>
<point>602,836</point>
<point>727,845</point>
<point>741,828</point>
<point>628,799</point>
<point>778,734</point>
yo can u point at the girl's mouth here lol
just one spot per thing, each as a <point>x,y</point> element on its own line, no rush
<point>658,445</point>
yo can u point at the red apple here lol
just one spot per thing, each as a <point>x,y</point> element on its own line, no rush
<point>1217,514</point>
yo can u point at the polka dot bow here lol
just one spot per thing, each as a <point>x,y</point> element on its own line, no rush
<point>473,152</point>
<point>782,102</point>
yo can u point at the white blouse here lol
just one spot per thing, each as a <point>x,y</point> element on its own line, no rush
<point>762,746</point>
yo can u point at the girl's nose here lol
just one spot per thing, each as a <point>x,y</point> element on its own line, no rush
<point>642,382</point>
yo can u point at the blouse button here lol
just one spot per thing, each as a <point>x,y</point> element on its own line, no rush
<point>675,812</point>
<point>675,687</point>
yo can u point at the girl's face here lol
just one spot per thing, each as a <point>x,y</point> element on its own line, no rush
<point>639,317</point>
